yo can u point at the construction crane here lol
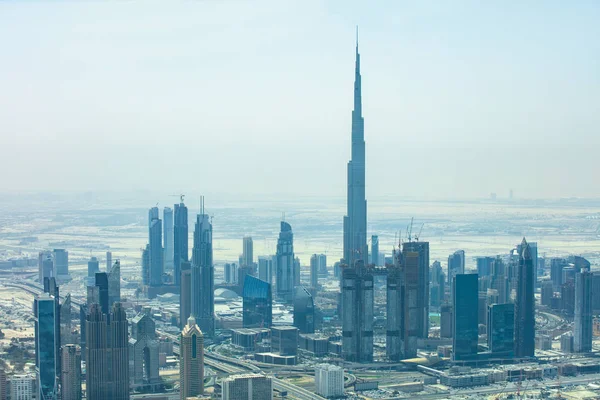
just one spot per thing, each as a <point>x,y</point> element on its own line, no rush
<point>409,229</point>
<point>181,196</point>
<point>419,235</point>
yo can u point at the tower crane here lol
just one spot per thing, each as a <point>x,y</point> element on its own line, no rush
<point>419,235</point>
<point>181,196</point>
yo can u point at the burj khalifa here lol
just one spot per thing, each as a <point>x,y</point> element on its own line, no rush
<point>355,221</point>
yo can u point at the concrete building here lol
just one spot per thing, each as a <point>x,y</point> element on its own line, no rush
<point>284,340</point>
<point>155,243</point>
<point>143,350</point>
<point>185,292</point>
<point>168,238</point>
<point>118,339</point>
<point>422,318</point>
<point>93,267</point>
<point>61,263</point>
<point>285,265</point>
<point>375,250</point>
<point>525,305</point>
<point>45,265</point>
<point>70,382</point>
<point>191,363</point>
<point>108,261</point>
<point>329,381</point>
<point>265,269</point>
<point>203,297</point>
<point>180,240</point>
<point>248,252</point>
<point>247,387</point>
<point>582,328</point>
<point>446,320</point>
<point>567,344</point>
<point>357,313</point>
<point>3,385</point>
<point>314,272</point>
<point>456,265</point>
<point>114,283</point>
<point>465,311</point>
<point>22,387</point>
<point>96,354</point>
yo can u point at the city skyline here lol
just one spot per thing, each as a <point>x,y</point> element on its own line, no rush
<point>475,89</point>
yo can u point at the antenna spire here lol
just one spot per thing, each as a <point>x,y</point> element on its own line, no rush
<point>357,38</point>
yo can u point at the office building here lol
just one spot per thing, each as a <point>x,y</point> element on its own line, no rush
<point>146,265</point>
<point>3,385</point>
<point>96,354</point>
<point>355,221</point>
<point>456,265</point>
<point>501,329</point>
<point>93,267</point>
<point>547,293</point>
<point>357,313</point>
<point>582,328</point>
<point>284,340</point>
<point>257,303</point>
<point>70,382</point>
<point>118,340</point>
<point>185,292</point>
<point>45,265</point>
<point>248,252</point>
<point>22,387</point>
<point>285,264</point>
<point>114,283</point>
<point>329,380</point>
<point>101,285</point>
<point>247,387</point>
<point>46,339</point>
<point>446,320</point>
<point>567,343</point>
<point>438,285</point>
<point>143,347</point>
<point>556,268</point>
<point>465,311</point>
<point>191,360</point>
<point>375,250</point>
<point>304,310</point>
<point>168,229</point>
<point>314,272</point>
<point>323,264</point>
<point>265,269</point>
<point>203,297</point>
<point>109,263</point>
<point>156,266</point>
<point>422,319</point>
<point>61,263</point>
<point>180,240</point>
<point>596,289</point>
<point>525,305</point>
<point>484,266</point>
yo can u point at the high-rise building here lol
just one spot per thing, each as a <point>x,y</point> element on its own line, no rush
<point>114,283</point>
<point>146,265</point>
<point>93,267</point>
<point>285,262</point>
<point>484,266</point>
<point>314,272</point>
<point>456,265</point>
<point>304,310</point>
<point>547,293</point>
<point>357,313</point>
<point>46,339</point>
<point>143,347</point>
<point>329,380</point>
<point>21,387</point>
<point>596,289</point>
<point>375,249</point>
<point>180,239</point>
<point>70,382</point>
<point>525,305</point>
<point>265,268</point>
<point>3,385</point>
<point>156,266</point>
<point>465,302</point>
<point>323,264</point>
<point>355,221</point>
<point>203,297</point>
<point>247,387</point>
<point>438,285</point>
<point>257,303</point>
<point>422,318</point>
<point>61,263</point>
<point>102,291</point>
<point>248,252</point>
<point>284,340</point>
<point>168,238</point>
<point>96,354</point>
<point>118,339</point>
<point>185,293</point>
<point>501,329</point>
<point>45,265</point>
<point>66,336</point>
<point>108,261</point>
<point>446,320</point>
<point>582,328</point>
<point>191,363</point>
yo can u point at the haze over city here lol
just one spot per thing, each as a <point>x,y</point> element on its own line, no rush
<point>247,98</point>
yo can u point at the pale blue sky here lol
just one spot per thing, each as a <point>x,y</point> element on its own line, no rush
<point>461,98</point>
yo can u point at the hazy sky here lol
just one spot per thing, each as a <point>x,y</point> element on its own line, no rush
<point>461,98</point>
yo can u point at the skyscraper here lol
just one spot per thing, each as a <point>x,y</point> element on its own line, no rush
<point>46,355</point>
<point>501,329</point>
<point>168,237</point>
<point>248,387</point>
<point>456,265</point>
<point>355,221</point>
<point>582,329</point>
<point>329,380</point>
<point>465,302</point>
<point>191,363</point>
<point>285,262</point>
<point>93,267</point>
<point>70,386</point>
<point>314,272</point>
<point>108,261</point>
<point>180,239</point>
<point>45,265</point>
<point>304,310</point>
<point>143,347</point>
<point>61,263</point>
<point>525,305</point>
<point>257,303</point>
<point>323,264</point>
<point>97,384</point>
<point>265,269</point>
<point>156,266</point>
<point>203,297</point>
<point>375,249</point>
<point>185,293</point>
<point>118,339</point>
<point>248,252</point>
<point>114,283</point>
<point>422,319</point>
<point>146,265</point>
<point>102,291</point>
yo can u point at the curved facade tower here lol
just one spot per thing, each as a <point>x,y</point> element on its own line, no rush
<point>355,221</point>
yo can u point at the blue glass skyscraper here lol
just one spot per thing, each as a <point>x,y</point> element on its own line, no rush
<point>466,300</point>
<point>156,265</point>
<point>258,307</point>
<point>180,241</point>
<point>45,345</point>
<point>203,298</point>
